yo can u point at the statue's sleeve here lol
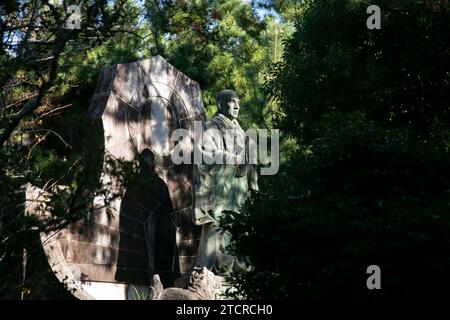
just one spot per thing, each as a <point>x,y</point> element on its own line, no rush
<point>213,150</point>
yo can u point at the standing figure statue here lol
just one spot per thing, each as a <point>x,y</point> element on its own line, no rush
<point>223,181</point>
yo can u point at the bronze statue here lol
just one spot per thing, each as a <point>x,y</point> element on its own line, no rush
<point>223,180</point>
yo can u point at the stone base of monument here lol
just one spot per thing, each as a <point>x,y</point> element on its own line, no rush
<point>105,290</point>
<point>201,284</point>
<point>138,292</point>
<point>221,292</point>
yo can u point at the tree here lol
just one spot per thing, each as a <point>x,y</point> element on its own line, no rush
<point>334,63</point>
<point>42,62</point>
<point>369,180</point>
<point>220,44</point>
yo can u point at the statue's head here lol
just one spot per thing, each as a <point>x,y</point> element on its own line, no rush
<point>228,103</point>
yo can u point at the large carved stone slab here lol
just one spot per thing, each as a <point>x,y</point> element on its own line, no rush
<point>139,104</point>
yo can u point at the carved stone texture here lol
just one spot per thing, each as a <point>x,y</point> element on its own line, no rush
<point>139,105</point>
<point>147,101</point>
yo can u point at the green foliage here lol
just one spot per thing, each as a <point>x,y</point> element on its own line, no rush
<point>138,294</point>
<point>221,45</point>
<point>397,75</point>
<point>364,195</point>
<point>369,181</point>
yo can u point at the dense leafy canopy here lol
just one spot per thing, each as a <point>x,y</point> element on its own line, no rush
<point>370,182</point>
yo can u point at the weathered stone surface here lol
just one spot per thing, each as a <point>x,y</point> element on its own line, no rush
<point>202,285</point>
<point>139,104</point>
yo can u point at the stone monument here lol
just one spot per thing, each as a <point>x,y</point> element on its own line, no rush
<point>163,228</point>
<point>149,229</point>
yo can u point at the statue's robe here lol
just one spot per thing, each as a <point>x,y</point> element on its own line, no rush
<point>220,187</point>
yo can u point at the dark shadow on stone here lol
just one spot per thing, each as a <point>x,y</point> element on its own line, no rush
<point>146,204</point>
